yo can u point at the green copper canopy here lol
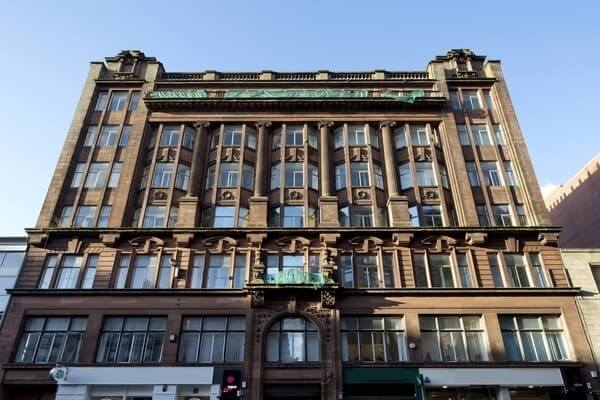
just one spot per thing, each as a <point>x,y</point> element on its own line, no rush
<point>178,94</point>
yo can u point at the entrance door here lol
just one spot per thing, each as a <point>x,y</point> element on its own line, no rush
<point>280,391</point>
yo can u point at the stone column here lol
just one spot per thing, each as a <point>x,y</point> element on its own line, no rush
<point>328,202</point>
<point>259,202</point>
<point>397,204</point>
<point>188,204</point>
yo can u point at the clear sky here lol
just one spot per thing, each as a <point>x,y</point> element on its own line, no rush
<point>550,52</point>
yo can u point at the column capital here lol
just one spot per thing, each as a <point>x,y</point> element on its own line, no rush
<point>201,124</point>
<point>262,124</point>
<point>325,124</point>
<point>384,124</point>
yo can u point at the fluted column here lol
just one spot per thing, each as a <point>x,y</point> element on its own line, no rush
<point>328,202</point>
<point>188,204</point>
<point>261,158</point>
<point>325,158</point>
<point>259,202</point>
<point>397,204</point>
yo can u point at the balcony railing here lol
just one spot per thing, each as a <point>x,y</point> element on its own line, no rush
<point>293,76</point>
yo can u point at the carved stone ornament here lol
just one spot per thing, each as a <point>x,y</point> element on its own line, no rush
<point>257,298</point>
<point>147,243</point>
<point>323,318</point>
<point>160,195</point>
<point>365,244</point>
<point>109,239</point>
<point>227,195</point>
<point>219,244</point>
<point>512,245</point>
<point>294,154</point>
<point>474,238</point>
<point>325,124</point>
<point>258,268</point>
<point>293,244</point>
<point>167,155</point>
<point>262,124</point>
<point>548,239</point>
<point>201,124</point>
<point>327,298</point>
<point>123,76</point>
<point>402,239</point>
<point>384,124</point>
<point>230,154</point>
<point>328,265</point>
<point>423,154</point>
<point>358,154</point>
<point>465,74</point>
<point>74,245</point>
<point>295,195</point>
<point>263,316</point>
<point>362,195</point>
<point>430,194</point>
<point>439,243</point>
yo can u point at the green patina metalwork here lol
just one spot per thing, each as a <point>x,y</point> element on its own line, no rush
<point>403,97</point>
<point>295,93</point>
<point>296,277</point>
<point>178,94</point>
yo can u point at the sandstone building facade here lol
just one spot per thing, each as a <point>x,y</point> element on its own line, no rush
<point>311,235</point>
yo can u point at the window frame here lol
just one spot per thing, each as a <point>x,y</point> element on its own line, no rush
<point>358,331</point>
<point>463,331</point>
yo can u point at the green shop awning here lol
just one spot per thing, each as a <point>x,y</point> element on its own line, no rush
<point>373,375</point>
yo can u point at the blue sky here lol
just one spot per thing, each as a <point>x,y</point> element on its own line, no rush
<point>549,54</point>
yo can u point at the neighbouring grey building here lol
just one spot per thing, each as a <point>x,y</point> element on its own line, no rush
<point>12,252</point>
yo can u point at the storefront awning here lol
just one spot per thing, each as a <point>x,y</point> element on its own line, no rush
<point>136,376</point>
<point>438,377</point>
<point>369,375</point>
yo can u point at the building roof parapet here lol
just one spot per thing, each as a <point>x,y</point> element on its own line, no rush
<point>295,76</point>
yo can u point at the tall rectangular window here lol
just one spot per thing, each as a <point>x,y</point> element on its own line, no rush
<point>224,217</point>
<point>104,216</point>
<point>170,136</point>
<point>537,271</point>
<point>367,271</point>
<point>388,270</point>
<point>356,135</point>
<point>84,218</point>
<point>239,271</point>
<point>425,175</point>
<point>101,102</point>
<point>78,175</point>
<point>228,174</point>
<point>338,137</point>
<point>489,101</point>
<point>464,273</point>
<point>90,272</point>
<point>217,274</point>
<point>400,138</point>
<point>378,176</point>
<point>482,215</point>
<point>405,174</point>
<point>197,271</point>
<point>533,338</point>
<point>359,172</point>
<point>69,272</point>
<point>472,173</point>
<point>440,271</point>
<point>247,176</point>
<point>454,100</point>
<point>521,214</point>
<point>51,340</point>
<point>495,270</point>
<point>502,215</point>
<point>212,339</point>
<point>154,217</point>
<point>294,174</point>
<point>344,216</point>
<point>49,268</point>
<point>232,135</point>
<point>491,173</point>
<point>516,270</point>
<point>65,216</point>
<point>481,135</point>
<point>250,138</point>
<point>294,135</point>
<point>163,280</point>
<point>182,179</point>
<point>432,216</point>
<point>499,135</point>
<point>122,271</point>
<point>275,176</point>
<point>144,271</point>
<point>125,135</point>
<point>210,177</point>
<point>346,271</point>
<point>189,137</point>
<point>510,174</point>
<point>108,136</point>
<point>373,339</point>
<point>90,136</point>
<point>362,216</point>
<point>472,100</point>
<point>163,175</point>
<point>132,340</point>
<point>313,176</point>
<point>115,175</point>
<point>452,338</point>
<point>118,101</point>
<point>413,213</point>
<point>135,101</point>
<point>96,176</point>
<point>463,135</point>
<point>418,135</point>
<point>293,216</point>
<point>340,176</point>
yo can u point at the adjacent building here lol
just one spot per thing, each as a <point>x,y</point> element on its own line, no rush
<point>294,235</point>
<point>12,252</point>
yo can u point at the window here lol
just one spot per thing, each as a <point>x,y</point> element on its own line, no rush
<point>405,174</point>
<point>214,139</point>
<point>224,217</point>
<point>313,177</point>
<point>464,273</point>
<point>338,137</point>
<point>275,176</point>
<point>69,272</point>
<point>90,272</point>
<point>374,136</point>
<point>232,135</point>
<point>444,176</point>
<point>125,134</point>
<point>433,270</point>
<point>108,136</point>
<point>144,271</point>
<point>170,136</point>
<point>122,271</point>
<point>144,180</point>
<point>346,270</point>
<point>482,215</point>
<point>537,271</point>
<point>463,135</point>
<point>432,216</point>
<point>373,339</point>
<point>164,278</point>
<point>312,138</point>
<point>472,101</point>
<point>78,175</point>
<point>481,135</point>
<point>362,216</point>
<point>275,216</point>
<point>90,136</point>
<point>172,221</point>
<point>491,173</point>
<point>84,218</point>
<point>293,340</point>
<point>516,270</point>
<point>276,139</point>
<point>284,264</point>
<point>425,175</point>
<point>502,215</point>
<point>154,217</point>
<point>115,175</point>
<point>521,215</point>
<point>418,135</point>
<point>118,101</point>
<point>51,340</point>
<point>188,139</point>
<point>488,99</point>
<point>596,274</point>
<point>135,101</point>
<point>210,177</point>
<point>239,272</point>
<point>294,135</point>
<point>65,216</point>
<point>96,176</point>
<point>498,135</point>
<point>248,176</point>
<point>101,102</point>
<point>413,213</point>
<point>359,172</point>
<point>357,135</point>
<point>344,216</point>
<point>454,100</point>
<point>340,176</point>
<point>495,270</point>
<point>132,340</point>
<point>294,174</point>
<point>388,270</point>
<point>228,174</point>
<point>104,216</point>
<point>217,276</point>
<point>212,339</point>
<point>453,338</point>
<point>533,338</point>
<point>511,179</point>
<point>367,271</point>
<point>293,216</point>
<point>250,138</point>
<point>182,180</point>
<point>472,173</point>
<point>400,138</point>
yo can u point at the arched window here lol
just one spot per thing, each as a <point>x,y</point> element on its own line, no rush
<point>293,340</point>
